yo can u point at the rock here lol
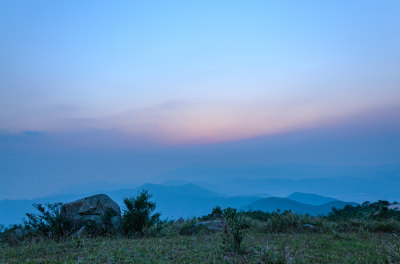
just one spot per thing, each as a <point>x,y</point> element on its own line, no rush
<point>395,207</point>
<point>213,226</point>
<point>98,211</point>
<point>309,226</point>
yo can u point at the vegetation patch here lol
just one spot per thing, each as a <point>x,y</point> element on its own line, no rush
<point>368,233</point>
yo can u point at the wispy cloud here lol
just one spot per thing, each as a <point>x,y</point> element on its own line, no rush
<point>195,122</point>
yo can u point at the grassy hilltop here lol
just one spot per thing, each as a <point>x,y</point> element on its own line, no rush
<point>367,233</point>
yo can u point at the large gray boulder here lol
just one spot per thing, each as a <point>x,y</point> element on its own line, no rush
<point>98,211</point>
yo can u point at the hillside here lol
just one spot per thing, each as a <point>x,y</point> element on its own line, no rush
<point>357,184</point>
<point>310,198</point>
<point>284,204</point>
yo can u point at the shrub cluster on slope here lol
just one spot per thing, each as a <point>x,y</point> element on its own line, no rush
<point>375,211</point>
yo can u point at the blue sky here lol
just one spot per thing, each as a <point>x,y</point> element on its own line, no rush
<point>90,75</point>
<point>194,71</point>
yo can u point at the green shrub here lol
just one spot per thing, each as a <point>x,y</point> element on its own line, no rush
<point>12,235</point>
<point>277,254</point>
<point>161,229</point>
<point>189,227</point>
<point>216,213</point>
<point>233,236</point>
<point>386,226</point>
<point>287,222</point>
<point>138,214</point>
<point>376,211</point>
<point>48,222</point>
<point>258,215</point>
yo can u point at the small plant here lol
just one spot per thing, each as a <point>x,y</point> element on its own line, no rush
<point>277,255</point>
<point>139,213</point>
<point>48,222</point>
<point>233,234</point>
<point>12,235</point>
<point>392,249</point>
<point>158,230</point>
<point>189,227</point>
<point>216,213</point>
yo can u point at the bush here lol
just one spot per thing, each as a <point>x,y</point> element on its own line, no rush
<point>48,222</point>
<point>258,215</point>
<point>386,226</point>
<point>286,222</point>
<point>189,227</point>
<point>139,214</point>
<point>161,229</point>
<point>277,254</point>
<point>233,236</point>
<point>375,211</point>
<point>12,235</point>
<point>216,213</point>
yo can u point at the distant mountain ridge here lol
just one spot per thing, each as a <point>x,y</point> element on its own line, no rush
<point>272,204</point>
<point>184,199</point>
<point>310,198</point>
<point>346,182</point>
<point>173,201</point>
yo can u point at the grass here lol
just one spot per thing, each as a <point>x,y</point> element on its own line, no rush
<point>349,235</point>
<point>258,247</point>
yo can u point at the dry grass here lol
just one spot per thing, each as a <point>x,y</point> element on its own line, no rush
<point>206,248</point>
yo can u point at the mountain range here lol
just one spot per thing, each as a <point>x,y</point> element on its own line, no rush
<point>180,199</point>
<point>272,204</point>
<point>381,186</point>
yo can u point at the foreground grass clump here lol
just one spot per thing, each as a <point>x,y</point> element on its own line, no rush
<point>206,248</point>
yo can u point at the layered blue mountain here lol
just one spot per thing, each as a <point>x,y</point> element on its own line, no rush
<point>310,198</point>
<point>173,201</point>
<point>383,185</point>
<point>272,204</point>
<point>180,199</point>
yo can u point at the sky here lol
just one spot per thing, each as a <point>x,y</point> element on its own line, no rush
<point>174,82</point>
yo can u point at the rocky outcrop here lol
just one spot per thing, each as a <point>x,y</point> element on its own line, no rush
<point>97,212</point>
<point>309,227</point>
<point>213,226</point>
<point>394,206</point>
